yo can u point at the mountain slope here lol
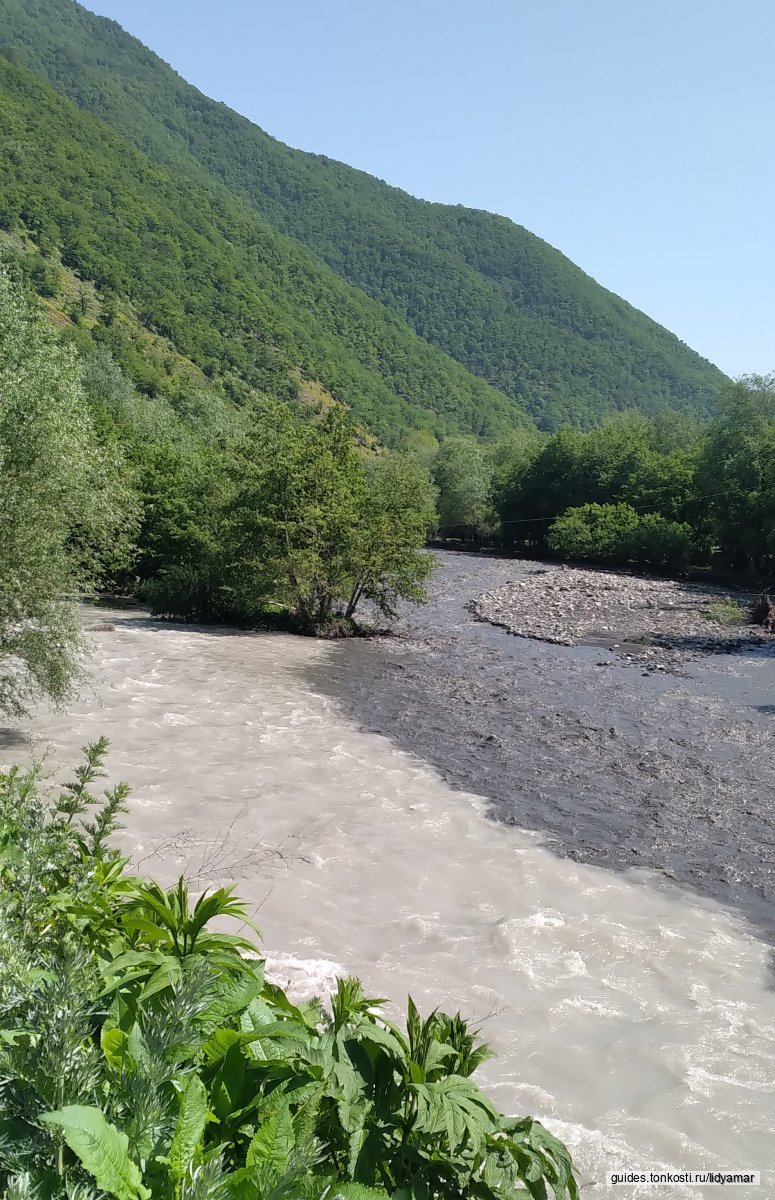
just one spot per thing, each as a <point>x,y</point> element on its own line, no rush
<point>204,271</point>
<point>501,301</point>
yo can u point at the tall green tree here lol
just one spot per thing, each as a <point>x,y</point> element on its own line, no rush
<point>462,472</point>
<point>294,516</point>
<point>66,515</point>
<point>398,512</point>
<point>317,530</point>
<point>736,473</point>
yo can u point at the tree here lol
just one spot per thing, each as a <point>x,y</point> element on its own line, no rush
<point>399,509</point>
<point>462,474</point>
<point>65,516</point>
<point>294,517</point>
<point>315,530</point>
<point>511,458</point>
<point>736,472</point>
<point>616,533</point>
<point>552,482</point>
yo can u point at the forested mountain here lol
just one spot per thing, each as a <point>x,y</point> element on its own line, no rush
<point>508,307</point>
<point>201,269</point>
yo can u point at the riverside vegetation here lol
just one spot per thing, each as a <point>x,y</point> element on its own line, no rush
<point>144,1055</point>
<point>665,493</point>
<point>210,510</point>
<point>211,515</point>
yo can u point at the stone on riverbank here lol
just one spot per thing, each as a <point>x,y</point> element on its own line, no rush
<point>668,618</point>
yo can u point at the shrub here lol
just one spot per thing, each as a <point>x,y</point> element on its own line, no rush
<point>616,533</point>
<point>725,612</point>
<point>144,1054</point>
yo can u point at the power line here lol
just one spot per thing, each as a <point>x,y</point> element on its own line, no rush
<point>641,508</point>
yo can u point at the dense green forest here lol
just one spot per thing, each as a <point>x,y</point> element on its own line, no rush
<point>667,493</point>
<point>511,309</point>
<point>204,271</point>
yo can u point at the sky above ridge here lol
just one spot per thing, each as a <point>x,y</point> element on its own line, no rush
<point>637,136</point>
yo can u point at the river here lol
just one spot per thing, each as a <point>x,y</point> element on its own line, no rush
<point>619,962</point>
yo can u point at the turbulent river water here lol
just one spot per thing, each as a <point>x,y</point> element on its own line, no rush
<point>632,1011</point>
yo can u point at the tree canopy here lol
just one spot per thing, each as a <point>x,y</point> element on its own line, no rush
<point>666,492</point>
<point>66,513</point>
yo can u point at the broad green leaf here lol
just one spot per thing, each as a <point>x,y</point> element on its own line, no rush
<point>129,967</point>
<point>437,1055</point>
<point>114,1046</point>
<point>355,1191</point>
<point>352,1115</point>
<point>219,1044</point>
<point>138,1050</point>
<point>347,1078</point>
<point>306,1115</point>
<point>257,1014</point>
<point>206,943</point>
<point>380,1037</point>
<point>305,1014</point>
<point>102,1150</point>
<point>241,1185</point>
<point>353,1118</point>
<point>167,975</point>
<point>273,1144</point>
<point>252,1020</point>
<point>455,1106</point>
<point>232,997</point>
<point>229,1083</point>
<point>192,1118</point>
<point>132,960</point>
<point>151,933</point>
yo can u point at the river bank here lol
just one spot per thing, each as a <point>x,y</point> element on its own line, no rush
<point>672,621</point>
<point>619,769</point>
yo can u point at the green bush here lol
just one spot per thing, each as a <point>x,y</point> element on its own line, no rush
<point>143,1053</point>
<point>616,533</point>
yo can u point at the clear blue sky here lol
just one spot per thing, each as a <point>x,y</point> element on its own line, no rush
<point>635,135</point>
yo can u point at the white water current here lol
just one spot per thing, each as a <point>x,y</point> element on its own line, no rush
<point>634,1019</point>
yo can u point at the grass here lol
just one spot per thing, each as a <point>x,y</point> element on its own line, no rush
<point>726,612</point>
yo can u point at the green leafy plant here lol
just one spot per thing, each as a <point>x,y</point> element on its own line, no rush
<point>143,1053</point>
<point>726,612</point>
<point>617,533</point>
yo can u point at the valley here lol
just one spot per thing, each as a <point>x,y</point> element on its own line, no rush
<point>525,781</point>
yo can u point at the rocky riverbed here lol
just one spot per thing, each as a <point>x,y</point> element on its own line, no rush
<point>672,621</point>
